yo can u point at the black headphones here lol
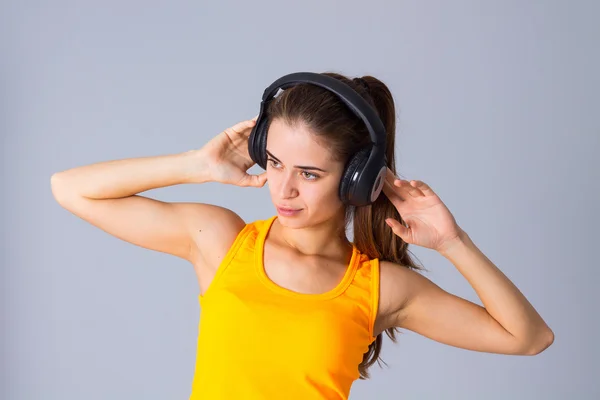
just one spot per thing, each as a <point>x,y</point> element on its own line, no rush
<point>364,174</point>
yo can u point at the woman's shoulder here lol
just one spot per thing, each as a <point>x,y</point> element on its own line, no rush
<point>395,281</point>
<point>218,238</point>
<point>215,236</point>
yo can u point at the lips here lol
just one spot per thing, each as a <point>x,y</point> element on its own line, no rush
<point>288,208</point>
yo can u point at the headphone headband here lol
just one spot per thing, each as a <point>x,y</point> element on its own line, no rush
<point>364,173</point>
<point>357,104</point>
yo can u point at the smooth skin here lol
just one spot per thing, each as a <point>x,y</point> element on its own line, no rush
<point>506,324</point>
<point>105,195</point>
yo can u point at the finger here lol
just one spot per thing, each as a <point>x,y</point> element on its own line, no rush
<point>255,180</point>
<point>394,180</point>
<point>423,187</point>
<point>399,229</point>
<point>391,192</point>
<point>390,176</point>
<point>413,187</point>
<point>262,179</point>
<point>242,128</point>
<point>399,187</point>
<point>409,188</point>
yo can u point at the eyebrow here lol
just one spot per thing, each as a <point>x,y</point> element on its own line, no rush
<point>296,166</point>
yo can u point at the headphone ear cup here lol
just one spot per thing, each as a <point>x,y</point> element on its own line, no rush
<point>262,143</point>
<point>348,183</point>
<point>257,142</point>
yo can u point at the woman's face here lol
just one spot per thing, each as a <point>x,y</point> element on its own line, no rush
<point>301,175</point>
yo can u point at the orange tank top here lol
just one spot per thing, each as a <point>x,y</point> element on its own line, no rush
<point>258,340</point>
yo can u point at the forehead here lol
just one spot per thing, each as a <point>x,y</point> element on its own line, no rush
<point>294,142</point>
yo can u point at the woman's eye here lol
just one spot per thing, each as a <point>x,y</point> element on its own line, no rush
<point>313,177</point>
<point>309,176</point>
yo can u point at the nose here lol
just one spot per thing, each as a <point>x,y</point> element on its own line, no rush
<point>287,187</point>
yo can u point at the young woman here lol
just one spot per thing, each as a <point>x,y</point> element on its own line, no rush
<point>291,308</point>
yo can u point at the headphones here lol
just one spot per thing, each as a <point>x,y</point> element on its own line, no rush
<point>364,174</point>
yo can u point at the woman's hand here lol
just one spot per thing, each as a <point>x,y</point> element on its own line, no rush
<point>430,223</point>
<point>227,158</point>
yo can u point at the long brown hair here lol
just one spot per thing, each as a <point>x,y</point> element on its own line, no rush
<point>343,133</point>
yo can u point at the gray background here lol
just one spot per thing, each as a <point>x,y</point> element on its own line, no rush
<point>498,112</point>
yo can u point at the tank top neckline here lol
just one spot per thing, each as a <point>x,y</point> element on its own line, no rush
<point>262,275</point>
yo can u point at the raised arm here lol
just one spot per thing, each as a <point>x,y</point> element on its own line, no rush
<point>106,194</point>
<point>507,323</point>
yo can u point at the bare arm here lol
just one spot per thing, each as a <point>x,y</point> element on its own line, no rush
<point>105,194</point>
<point>122,178</point>
<point>507,324</point>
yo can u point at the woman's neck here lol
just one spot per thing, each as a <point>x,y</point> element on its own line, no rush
<point>327,239</point>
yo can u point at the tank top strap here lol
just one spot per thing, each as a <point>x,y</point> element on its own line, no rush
<point>365,288</point>
<point>242,247</point>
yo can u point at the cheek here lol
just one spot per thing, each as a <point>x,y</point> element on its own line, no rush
<point>321,195</point>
